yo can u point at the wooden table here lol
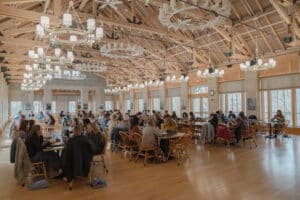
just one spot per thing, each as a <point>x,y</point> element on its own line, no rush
<point>167,136</point>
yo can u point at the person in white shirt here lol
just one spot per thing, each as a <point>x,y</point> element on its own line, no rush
<point>149,132</point>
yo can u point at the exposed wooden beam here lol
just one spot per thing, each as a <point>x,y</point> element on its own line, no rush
<point>281,11</point>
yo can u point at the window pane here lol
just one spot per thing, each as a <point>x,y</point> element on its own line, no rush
<point>37,106</point>
<point>298,107</point>
<point>72,106</point>
<point>265,106</point>
<point>205,107</point>
<point>140,105</point>
<point>15,107</point>
<point>175,105</point>
<point>108,105</point>
<point>234,102</point>
<point>199,90</point>
<point>156,104</point>
<point>53,107</point>
<point>127,105</point>
<point>196,106</point>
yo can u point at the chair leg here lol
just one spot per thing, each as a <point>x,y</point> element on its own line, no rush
<point>145,158</point>
<point>104,165</point>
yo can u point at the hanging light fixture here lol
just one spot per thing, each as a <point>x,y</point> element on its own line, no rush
<point>173,78</point>
<point>210,72</point>
<point>71,31</point>
<point>258,64</point>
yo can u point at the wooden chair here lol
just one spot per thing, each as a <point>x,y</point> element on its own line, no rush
<point>249,135</point>
<point>146,152</point>
<point>38,170</point>
<point>99,159</point>
<point>125,145</point>
<point>263,128</point>
<point>284,128</point>
<point>179,148</point>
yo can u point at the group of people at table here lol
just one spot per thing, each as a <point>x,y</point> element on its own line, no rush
<point>86,132</point>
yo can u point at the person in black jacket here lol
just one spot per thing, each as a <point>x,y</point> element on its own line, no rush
<point>96,137</point>
<point>77,157</point>
<point>34,143</point>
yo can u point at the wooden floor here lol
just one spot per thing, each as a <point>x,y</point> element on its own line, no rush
<point>270,171</point>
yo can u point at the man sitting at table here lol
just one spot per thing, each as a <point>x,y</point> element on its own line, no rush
<point>279,119</point>
<point>149,132</point>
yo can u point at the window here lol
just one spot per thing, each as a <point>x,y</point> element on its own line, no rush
<point>72,106</point>
<point>196,106</point>
<point>128,107</point>
<point>37,106</point>
<point>15,107</point>
<point>234,102</point>
<point>199,90</point>
<point>53,107</point>
<point>200,107</point>
<point>298,107</point>
<point>156,104</point>
<point>265,106</point>
<point>281,100</point>
<point>175,105</point>
<point>140,105</point>
<point>108,105</point>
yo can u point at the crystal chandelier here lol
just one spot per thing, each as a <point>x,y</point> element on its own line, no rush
<point>175,79</point>
<point>71,31</point>
<point>67,74</point>
<point>176,15</point>
<point>36,76</point>
<point>257,64</point>
<point>90,67</point>
<point>121,50</point>
<point>39,57</point>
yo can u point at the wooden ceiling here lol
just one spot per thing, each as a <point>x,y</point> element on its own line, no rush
<point>167,51</point>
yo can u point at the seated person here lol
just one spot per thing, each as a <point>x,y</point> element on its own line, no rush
<point>192,117</point>
<point>231,115</point>
<point>158,119</point>
<point>96,137</point>
<point>223,132</point>
<point>34,142</point>
<point>174,116</point>
<point>185,117</point>
<point>134,126</point>
<point>170,124</point>
<point>242,124</point>
<point>51,120</point>
<point>280,120</point>
<point>213,120</point>
<point>149,132</point>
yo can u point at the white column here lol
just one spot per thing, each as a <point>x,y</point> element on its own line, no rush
<point>184,96</point>
<point>47,99</point>
<point>99,98</point>
<point>252,93</point>
<point>121,99</point>
<point>213,94</point>
<point>84,98</point>
<point>131,97</point>
<point>162,96</point>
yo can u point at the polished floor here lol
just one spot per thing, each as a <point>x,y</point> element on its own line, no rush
<point>270,171</point>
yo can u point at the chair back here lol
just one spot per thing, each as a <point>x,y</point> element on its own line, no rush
<point>185,140</point>
<point>105,137</point>
<point>137,138</point>
<point>124,138</point>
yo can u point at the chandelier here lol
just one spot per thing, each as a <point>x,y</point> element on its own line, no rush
<point>36,76</point>
<point>210,72</point>
<point>67,74</point>
<point>71,32</point>
<point>177,15</point>
<point>40,57</point>
<point>90,67</point>
<point>134,86</point>
<point>257,64</point>
<point>121,50</point>
<point>175,79</point>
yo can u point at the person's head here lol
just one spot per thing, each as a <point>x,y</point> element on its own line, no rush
<point>184,115</point>
<point>113,117</point>
<point>230,112</point>
<point>242,115</point>
<point>166,112</point>
<point>134,121</point>
<point>75,121</point>
<point>174,114</point>
<point>36,130</point>
<point>218,112</point>
<point>168,121</point>
<point>76,130</point>
<point>23,126</point>
<point>92,128</point>
<point>191,114</point>
<point>279,113</point>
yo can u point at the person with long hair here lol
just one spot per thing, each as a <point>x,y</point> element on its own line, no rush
<point>148,139</point>
<point>192,116</point>
<point>34,142</point>
<point>280,120</point>
<point>242,124</point>
<point>134,126</point>
<point>96,137</point>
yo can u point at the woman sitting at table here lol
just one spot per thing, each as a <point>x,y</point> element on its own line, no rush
<point>280,120</point>
<point>51,120</point>
<point>242,124</point>
<point>34,143</point>
<point>134,126</point>
<point>169,124</point>
<point>158,119</point>
<point>96,137</point>
<point>174,116</point>
<point>149,132</point>
<point>185,116</point>
<point>192,117</point>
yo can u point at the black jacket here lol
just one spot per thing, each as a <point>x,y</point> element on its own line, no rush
<point>34,145</point>
<point>77,157</point>
<point>98,142</point>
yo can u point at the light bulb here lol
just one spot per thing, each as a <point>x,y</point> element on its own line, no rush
<point>67,19</point>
